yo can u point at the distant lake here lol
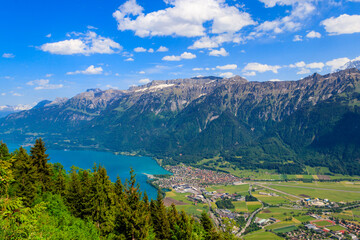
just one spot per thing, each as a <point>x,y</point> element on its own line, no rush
<point>116,165</point>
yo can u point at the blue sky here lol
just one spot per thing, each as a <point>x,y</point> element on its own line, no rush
<point>52,49</point>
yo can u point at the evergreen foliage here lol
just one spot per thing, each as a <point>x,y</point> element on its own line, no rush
<point>40,201</point>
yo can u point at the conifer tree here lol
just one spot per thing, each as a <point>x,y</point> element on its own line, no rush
<point>40,159</point>
<point>159,219</point>
<point>132,218</point>
<point>85,197</point>
<point>73,192</point>
<point>60,181</point>
<point>6,174</point>
<point>103,200</point>
<point>209,228</point>
<point>25,177</point>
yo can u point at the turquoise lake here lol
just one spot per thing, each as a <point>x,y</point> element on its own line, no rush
<point>116,165</point>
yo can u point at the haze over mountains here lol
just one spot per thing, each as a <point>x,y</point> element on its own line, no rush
<point>283,125</point>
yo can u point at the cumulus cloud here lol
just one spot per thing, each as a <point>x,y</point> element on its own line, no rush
<point>227,67</point>
<point>182,18</point>
<point>91,70</point>
<point>140,49</point>
<point>162,49</point>
<point>313,34</point>
<point>220,52</point>
<point>144,81</point>
<point>129,60</point>
<point>306,68</point>
<point>8,55</point>
<point>258,67</point>
<point>337,63</point>
<point>344,24</point>
<point>216,41</point>
<point>301,9</point>
<point>85,44</point>
<point>42,84</point>
<point>227,75</point>
<point>185,55</point>
<point>297,38</point>
<point>250,74</point>
<point>198,69</point>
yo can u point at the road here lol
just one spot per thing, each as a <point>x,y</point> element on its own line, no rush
<point>275,190</point>
<point>249,221</point>
<point>326,189</point>
<point>251,216</point>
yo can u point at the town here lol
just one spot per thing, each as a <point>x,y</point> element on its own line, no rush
<point>252,207</point>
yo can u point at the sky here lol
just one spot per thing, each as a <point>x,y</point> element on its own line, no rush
<point>52,49</point>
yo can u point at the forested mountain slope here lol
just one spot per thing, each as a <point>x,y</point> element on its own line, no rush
<point>275,125</point>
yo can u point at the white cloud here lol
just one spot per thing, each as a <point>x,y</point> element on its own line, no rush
<point>227,75</point>
<point>85,44</point>
<point>8,55</point>
<point>258,67</point>
<point>111,87</point>
<point>91,27</point>
<point>151,50</point>
<point>49,75</point>
<point>142,72</point>
<point>315,65</point>
<point>344,24</point>
<point>182,18</point>
<point>42,84</point>
<point>298,65</point>
<point>17,94</point>
<point>197,69</point>
<point>144,81</point>
<point>3,94</point>
<point>250,74</point>
<point>162,49</point>
<point>337,63</point>
<point>217,53</point>
<point>216,41</point>
<point>91,70</point>
<point>129,60</point>
<point>185,55</point>
<point>48,36</point>
<point>301,10</point>
<point>297,38</point>
<point>140,49</point>
<point>313,34</point>
<point>275,80</point>
<point>227,67</point>
<point>303,71</point>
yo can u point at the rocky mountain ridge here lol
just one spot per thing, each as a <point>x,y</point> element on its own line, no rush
<point>277,124</point>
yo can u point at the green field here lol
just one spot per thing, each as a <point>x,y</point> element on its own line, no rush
<point>252,206</point>
<point>272,200</point>
<point>240,206</point>
<point>190,208</point>
<point>336,228</point>
<point>261,235</point>
<point>304,218</point>
<point>285,229</point>
<point>241,189</point>
<point>336,196</point>
<point>322,223</point>
<point>278,213</point>
<point>281,225</point>
<point>344,185</point>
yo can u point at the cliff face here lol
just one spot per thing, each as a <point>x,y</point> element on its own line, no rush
<point>187,119</point>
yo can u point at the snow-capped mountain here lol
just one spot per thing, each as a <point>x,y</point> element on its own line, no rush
<point>6,109</point>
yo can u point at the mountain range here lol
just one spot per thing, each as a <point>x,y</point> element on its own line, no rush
<point>283,125</point>
<point>6,109</point>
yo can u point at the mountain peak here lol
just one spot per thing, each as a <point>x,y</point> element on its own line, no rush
<point>94,90</point>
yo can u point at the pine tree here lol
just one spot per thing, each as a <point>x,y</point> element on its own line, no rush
<point>159,219</point>
<point>209,228</point>
<point>40,159</point>
<point>73,192</point>
<point>85,197</point>
<point>132,218</point>
<point>103,201</point>
<point>6,174</point>
<point>25,177</point>
<point>60,181</point>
